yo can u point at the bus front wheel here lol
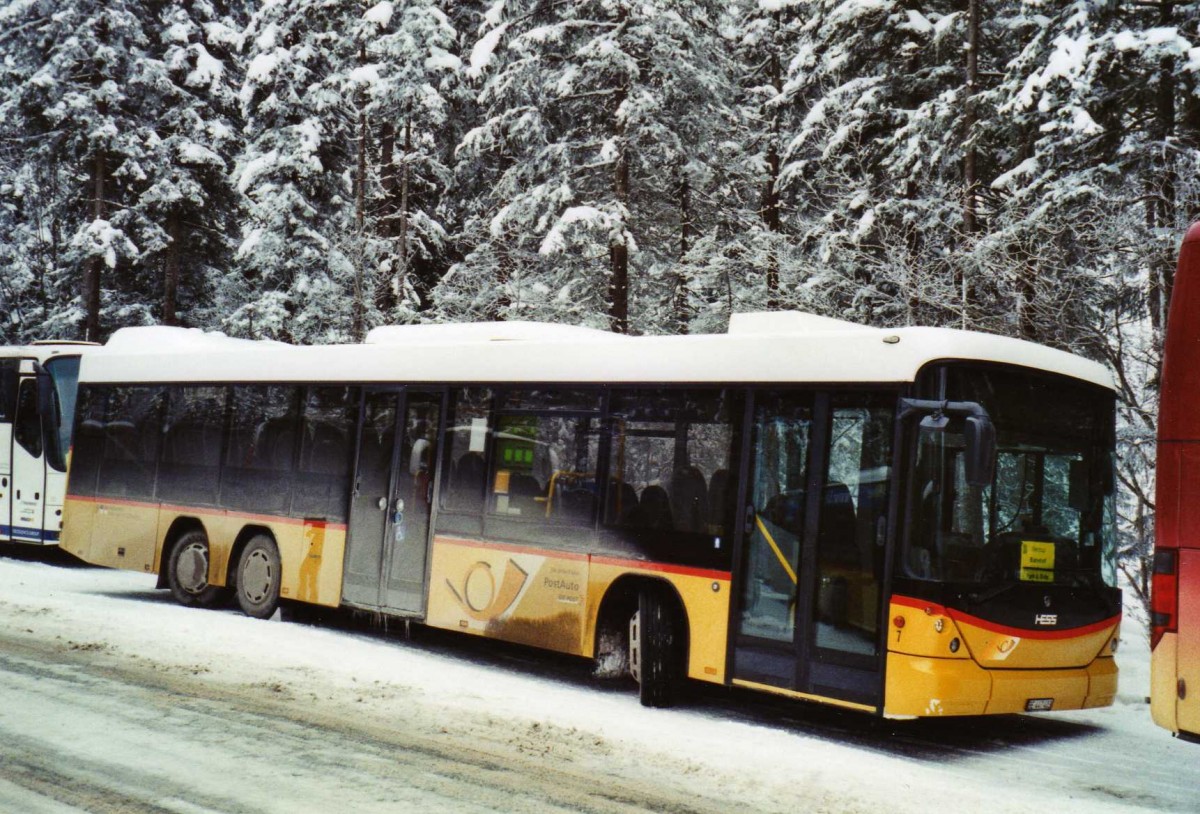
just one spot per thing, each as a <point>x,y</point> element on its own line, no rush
<point>654,647</point>
<point>258,577</point>
<point>187,571</point>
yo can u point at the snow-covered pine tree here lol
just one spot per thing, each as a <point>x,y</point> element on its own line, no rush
<point>186,207</point>
<point>594,114</point>
<point>871,168</point>
<point>296,172</point>
<point>401,77</point>
<point>80,136</point>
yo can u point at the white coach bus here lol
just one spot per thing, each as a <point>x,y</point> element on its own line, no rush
<point>37,405</point>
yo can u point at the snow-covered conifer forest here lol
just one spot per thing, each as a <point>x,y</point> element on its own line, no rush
<point>307,169</point>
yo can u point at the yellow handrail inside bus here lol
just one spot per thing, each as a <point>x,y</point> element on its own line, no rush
<point>774,547</point>
<point>549,498</point>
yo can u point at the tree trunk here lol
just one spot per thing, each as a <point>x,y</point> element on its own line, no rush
<point>405,186</point>
<point>618,248</point>
<point>770,212</point>
<point>358,319</point>
<point>94,266</point>
<point>970,172</point>
<point>685,237</point>
<point>1165,116</point>
<point>970,156</point>
<point>171,277</point>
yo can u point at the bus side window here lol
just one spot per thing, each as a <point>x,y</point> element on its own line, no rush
<point>89,441</point>
<point>189,470</point>
<point>8,389</point>
<point>545,456</point>
<point>669,462</point>
<point>466,445</point>
<point>131,431</point>
<point>261,448</point>
<point>326,453</point>
<point>27,429</point>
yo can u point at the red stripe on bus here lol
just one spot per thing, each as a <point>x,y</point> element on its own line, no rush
<point>261,518</point>
<point>642,565</point>
<point>995,627</point>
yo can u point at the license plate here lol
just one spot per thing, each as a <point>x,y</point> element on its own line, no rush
<point>1039,704</point>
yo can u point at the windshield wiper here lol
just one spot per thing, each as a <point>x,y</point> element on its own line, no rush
<point>991,594</point>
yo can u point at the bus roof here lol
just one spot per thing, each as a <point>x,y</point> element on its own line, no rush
<point>46,349</point>
<point>759,347</point>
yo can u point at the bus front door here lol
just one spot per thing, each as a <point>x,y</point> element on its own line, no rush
<point>8,407</point>
<point>388,535</point>
<point>814,528</point>
<point>28,484</point>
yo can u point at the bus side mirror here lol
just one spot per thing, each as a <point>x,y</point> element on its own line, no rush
<point>47,406</point>
<point>980,436</point>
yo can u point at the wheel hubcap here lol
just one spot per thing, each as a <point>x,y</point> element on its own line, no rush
<point>257,577</point>
<point>191,570</point>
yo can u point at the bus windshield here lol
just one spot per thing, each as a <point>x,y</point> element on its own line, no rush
<point>64,372</point>
<point>1047,515</point>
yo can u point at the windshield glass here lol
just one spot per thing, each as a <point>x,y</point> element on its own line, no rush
<point>64,372</point>
<point>1047,515</point>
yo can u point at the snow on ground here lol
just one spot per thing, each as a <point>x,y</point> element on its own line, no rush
<point>761,756</point>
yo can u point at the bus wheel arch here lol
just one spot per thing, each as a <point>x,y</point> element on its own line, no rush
<point>256,571</point>
<point>187,561</point>
<point>642,629</point>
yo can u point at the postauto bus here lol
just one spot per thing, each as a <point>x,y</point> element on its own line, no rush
<point>907,522</point>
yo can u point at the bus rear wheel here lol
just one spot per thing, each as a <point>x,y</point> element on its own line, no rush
<point>258,577</point>
<point>654,648</point>
<point>187,571</point>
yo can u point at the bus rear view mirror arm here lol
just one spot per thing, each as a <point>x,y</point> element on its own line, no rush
<point>979,434</point>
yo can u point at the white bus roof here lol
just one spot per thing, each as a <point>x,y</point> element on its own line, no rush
<point>45,349</point>
<point>774,347</point>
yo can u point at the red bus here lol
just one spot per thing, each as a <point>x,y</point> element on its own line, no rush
<point>1175,590</point>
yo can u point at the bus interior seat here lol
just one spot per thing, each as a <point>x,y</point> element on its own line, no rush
<point>689,499</point>
<point>786,510</point>
<point>327,451</point>
<point>124,443</point>
<point>620,503</point>
<point>837,538</point>
<point>522,489</point>
<point>467,479</point>
<point>653,509</point>
<point>576,504</point>
<point>276,443</point>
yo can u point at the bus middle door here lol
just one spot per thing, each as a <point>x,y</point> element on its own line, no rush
<point>391,506</point>
<point>406,542</point>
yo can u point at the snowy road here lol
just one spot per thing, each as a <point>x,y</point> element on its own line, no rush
<point>113,699</point>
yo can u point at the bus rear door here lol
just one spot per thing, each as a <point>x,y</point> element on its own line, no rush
<point>391,507</point>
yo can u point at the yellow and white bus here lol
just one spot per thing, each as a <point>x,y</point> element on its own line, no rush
<point>907,522</point>
<point>37,402</point>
